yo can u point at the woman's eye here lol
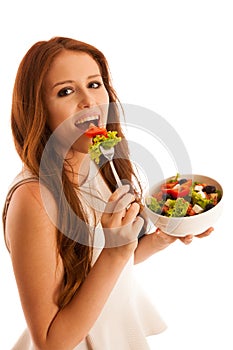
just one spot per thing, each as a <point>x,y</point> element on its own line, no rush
<point>65,92</point>
<point>94,85</point>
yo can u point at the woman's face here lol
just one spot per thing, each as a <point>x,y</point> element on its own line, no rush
<point>74,90</point>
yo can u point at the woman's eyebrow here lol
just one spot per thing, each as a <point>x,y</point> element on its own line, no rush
<point>94,76</point>
<point>63,82</point>
<point>72,81</point>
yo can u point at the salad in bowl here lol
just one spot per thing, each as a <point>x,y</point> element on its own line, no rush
<point>187,204</point>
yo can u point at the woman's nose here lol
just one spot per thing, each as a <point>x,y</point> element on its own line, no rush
<point>85,100</point>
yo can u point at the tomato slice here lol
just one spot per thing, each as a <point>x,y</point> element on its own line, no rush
<point>190,211</point>
<point>182,191</point>
<point>166,186</point>
<point>95,130</point>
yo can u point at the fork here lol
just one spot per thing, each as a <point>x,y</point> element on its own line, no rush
<point>108,153</point>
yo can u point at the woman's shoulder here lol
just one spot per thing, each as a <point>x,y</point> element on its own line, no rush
<point>19,187</point>
<point>26,188</point>
<point>26,206</point>
<point>28,194</point>
<point>25,176</point>
<point>25,193</point>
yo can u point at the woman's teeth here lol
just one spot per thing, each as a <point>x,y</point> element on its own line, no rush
<point>87,119</point>
<point>85,122</point>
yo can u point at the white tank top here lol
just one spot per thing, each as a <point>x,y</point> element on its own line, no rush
<point>128,316</point>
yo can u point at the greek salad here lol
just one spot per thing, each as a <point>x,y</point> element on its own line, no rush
<point>181,197</point>
<point>100,136</point>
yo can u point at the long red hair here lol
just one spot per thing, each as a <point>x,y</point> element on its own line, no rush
<point>31,133</point>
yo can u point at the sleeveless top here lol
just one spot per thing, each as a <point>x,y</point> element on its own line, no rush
<point>128,316</point>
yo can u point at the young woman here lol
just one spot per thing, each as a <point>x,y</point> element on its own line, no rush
<point>75,293</point>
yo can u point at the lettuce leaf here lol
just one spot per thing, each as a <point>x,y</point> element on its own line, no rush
<point>107,142</point>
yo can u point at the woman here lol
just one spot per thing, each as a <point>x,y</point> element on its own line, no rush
<point>75,293</point>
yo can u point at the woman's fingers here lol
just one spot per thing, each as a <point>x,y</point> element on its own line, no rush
<point>114,199</point>
<point>120,219</point>
<point>124,203</point>
<point>187,239</point>
<point>121,206</point>
<point>205,233</point>
<point>137,225</point>
<point>131,213</point>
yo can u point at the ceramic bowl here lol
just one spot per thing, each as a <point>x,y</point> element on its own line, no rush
<point>181,226</point>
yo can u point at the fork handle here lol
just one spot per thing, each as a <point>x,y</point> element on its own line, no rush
<point>118,181</point>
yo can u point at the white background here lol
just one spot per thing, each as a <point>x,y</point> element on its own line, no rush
<point>174,57</point>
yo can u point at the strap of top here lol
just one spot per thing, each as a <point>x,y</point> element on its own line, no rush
<point>23,177</point>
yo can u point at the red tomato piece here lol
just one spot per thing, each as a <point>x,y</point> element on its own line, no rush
<point>165,209</point>
<point>182,191</point>
<point>190,211</point>
<point>167,185</point>
<point>95,130</point>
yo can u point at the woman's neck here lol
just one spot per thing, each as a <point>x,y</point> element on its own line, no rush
<point>77,166</point>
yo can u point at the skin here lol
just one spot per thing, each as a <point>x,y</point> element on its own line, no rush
<point>74,88</point>
<point>32,241</point>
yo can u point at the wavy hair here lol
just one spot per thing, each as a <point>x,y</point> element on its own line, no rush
<point>31,133</point>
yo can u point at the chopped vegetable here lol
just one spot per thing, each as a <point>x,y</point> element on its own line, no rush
<point>178,198</point>
<point>197,198</point>
<point>175,189</point>
<point>180,208</point>
<point>100,136</point>
<point>95,130</point>
<point>155,205</point>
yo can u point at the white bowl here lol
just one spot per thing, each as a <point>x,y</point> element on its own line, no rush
<point>182,226</point>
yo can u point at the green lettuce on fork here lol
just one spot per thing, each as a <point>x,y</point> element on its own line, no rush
<point>100,136</point>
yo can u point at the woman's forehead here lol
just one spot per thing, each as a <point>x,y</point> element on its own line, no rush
<point>72,64</point>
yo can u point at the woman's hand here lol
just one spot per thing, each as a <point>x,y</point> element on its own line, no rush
<point>120,221</point>
<point>159,240</point>
<point>205,233</point>
<point>188,239</point>
<point>166,239</point>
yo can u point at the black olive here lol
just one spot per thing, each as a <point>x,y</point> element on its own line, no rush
<point>209,189</point>
<point>209,206</point>
<point>166,196</point>
<point>187,198</point>
<point>182,181</point>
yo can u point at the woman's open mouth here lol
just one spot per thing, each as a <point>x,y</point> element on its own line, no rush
<point>84,123</point>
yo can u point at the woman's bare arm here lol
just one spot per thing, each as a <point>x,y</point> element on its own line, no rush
<point>31,237</point>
